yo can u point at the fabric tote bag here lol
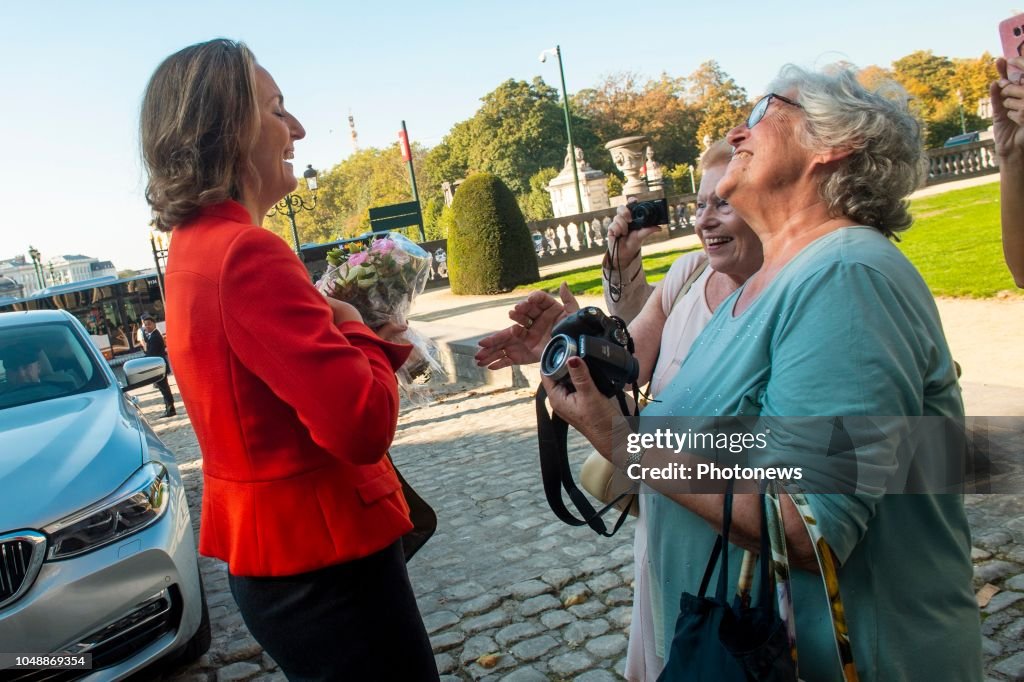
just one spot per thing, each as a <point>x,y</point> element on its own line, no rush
<point>738,642</point>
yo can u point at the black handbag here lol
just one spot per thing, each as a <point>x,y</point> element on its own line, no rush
<point>424,520</point>
<point>741,642</point>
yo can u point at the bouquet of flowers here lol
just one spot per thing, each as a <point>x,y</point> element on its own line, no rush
<point>380,276</point>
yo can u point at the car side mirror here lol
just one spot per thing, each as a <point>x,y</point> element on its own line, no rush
<point>143,372</point>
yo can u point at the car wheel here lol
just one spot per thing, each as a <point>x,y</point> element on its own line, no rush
<point>199,644</point>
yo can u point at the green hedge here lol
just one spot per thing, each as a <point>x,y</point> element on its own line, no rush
<point>489,245</point>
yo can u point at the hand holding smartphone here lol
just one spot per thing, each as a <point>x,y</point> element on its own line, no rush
<point>1011,33</point>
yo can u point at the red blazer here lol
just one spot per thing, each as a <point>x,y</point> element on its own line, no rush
<point>293,414</point>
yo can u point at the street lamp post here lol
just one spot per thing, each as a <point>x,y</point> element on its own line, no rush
<point>557,51</point>
<point>960,103</point>
<point>158,241</point>
<point>293,203</point>
<point>33,253</point>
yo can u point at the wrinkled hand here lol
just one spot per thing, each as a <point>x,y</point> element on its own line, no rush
<point>392,331</point>
<point>523,342</point>
<point>629,242</point>
<point>1008,111</point>
<point>586,409</point>
<point>343,312</point>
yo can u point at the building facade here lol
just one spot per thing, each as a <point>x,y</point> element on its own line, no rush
<point>58,270</point>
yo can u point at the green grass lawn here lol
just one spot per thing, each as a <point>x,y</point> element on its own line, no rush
<point>588,280</point>
<point>955,242</point>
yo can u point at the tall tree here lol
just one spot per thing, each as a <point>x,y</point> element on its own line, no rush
<point>926,77</point>
<point>536,205</point>
<point>621,106</point>
<point>723,103</point>
<point>370,177</point>
<point>972,77</point>
<point>518,130</point>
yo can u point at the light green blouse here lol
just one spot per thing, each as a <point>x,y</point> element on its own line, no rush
<point>847,328</point>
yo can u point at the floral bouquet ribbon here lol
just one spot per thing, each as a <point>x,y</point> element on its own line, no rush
<point>381,276</point>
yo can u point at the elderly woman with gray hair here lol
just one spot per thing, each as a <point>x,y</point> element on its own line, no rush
<point>837,322</point>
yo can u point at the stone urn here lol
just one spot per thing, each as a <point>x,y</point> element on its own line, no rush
<point>628,153</point>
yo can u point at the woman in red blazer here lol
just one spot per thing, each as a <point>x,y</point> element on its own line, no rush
<point>293,400</point>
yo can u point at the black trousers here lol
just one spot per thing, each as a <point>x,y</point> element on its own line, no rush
<point>165,391</point>
<point>354,621</point>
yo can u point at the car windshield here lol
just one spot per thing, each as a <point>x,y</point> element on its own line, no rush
<point>44,361</point>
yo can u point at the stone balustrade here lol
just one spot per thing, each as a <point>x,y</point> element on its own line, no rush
<point>962,161</point>
<point>554,240</point>
<point>569,237</point>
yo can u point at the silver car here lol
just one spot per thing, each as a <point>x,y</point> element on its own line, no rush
<point>97,554</point>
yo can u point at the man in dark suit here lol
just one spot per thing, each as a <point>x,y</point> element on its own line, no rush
<point>154,346</point>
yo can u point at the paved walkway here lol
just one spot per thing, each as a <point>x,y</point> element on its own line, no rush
<point>508,592</point>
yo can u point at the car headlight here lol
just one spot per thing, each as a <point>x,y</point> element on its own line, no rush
<point>136,504</point>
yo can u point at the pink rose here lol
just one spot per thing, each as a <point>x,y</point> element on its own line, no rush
<point>357,258</point>
<point>383,246</point>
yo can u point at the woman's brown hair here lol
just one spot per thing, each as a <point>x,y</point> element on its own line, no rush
<point>198,124</point>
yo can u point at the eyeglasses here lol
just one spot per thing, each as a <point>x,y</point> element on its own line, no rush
<point>761,108</point>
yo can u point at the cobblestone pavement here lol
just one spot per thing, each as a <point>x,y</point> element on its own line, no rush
<point>507,591</point>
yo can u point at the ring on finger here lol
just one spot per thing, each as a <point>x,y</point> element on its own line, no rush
<point>504,352</point>
<point>529,322</point>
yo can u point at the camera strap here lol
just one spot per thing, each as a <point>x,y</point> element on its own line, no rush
<point>552,436</point>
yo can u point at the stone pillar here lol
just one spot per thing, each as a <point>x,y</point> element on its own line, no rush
<point>593,188</point>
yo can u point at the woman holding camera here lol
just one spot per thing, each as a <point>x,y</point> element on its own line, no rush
<point>666,319</point>
<point>836,323</point>
<point>293,399</point>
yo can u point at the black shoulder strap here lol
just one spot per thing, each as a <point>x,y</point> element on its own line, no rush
<point>683,290</point>
<point>552,433</point>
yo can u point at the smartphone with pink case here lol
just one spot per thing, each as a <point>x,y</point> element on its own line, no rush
<point>1011,32</point>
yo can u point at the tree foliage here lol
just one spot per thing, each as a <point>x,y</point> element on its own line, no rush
<point>519,129</point>
<point>972,77</point>
<point>939,86</point>
<point>621,106</point>
<point>871,77</point>
<point>518,134</point>
<point>368,178</point>
<point>723,103</point>
<point>926,77</point>
<point>680,179</point>
<point>279,224</point>
<point>946,123</point>
<point>536,204</point>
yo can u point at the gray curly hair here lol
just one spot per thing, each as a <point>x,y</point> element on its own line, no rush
<point>887,162</point>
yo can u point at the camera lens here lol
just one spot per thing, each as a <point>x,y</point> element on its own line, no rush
<point>555,356</point>
<point>639,213</point>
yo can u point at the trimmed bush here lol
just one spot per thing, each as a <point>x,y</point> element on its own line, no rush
<point>489,246</point>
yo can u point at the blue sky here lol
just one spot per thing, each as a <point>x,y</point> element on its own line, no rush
<point>72,74</point>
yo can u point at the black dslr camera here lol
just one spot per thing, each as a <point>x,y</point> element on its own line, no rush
<point>648,213</point>
<point>601,341</point>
